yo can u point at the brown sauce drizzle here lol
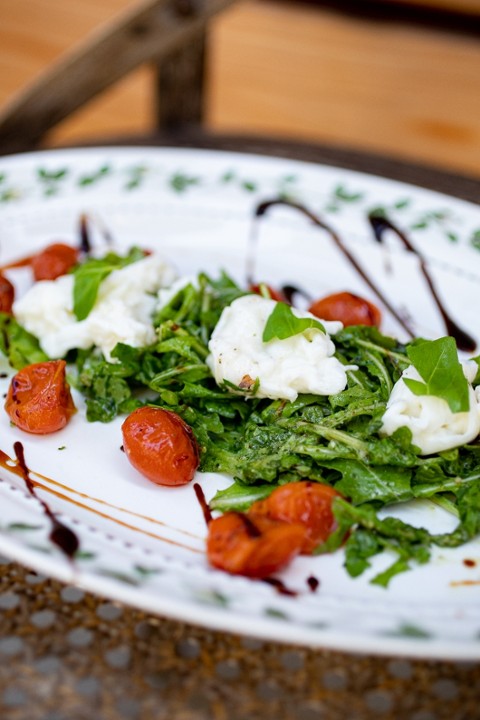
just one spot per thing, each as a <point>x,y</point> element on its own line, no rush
<point>85,222</point>
<point>313,583</point>
<point>85,244</point>
<point>207,513</point>
<point>464,583</point>
<point>469,563</point>
<point>263,207</point>
<point>280,586</point>
<point>60,534</point>
<point>380,224</point>
<point>10,465</point>
<point>290,292</point>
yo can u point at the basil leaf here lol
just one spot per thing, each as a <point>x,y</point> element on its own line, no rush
<point>438,365</point>
<point>282,324</point>
<point>89,275</point>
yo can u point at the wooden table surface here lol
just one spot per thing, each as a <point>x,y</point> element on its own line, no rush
<point>283,69</point>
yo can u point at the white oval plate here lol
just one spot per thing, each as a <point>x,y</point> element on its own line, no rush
<point>144,545</point>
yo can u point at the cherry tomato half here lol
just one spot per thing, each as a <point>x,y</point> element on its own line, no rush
<point>7,295</point>
<point>306,503</point>
<point>38,399</point>
<point>55,260</point>
<point>350,309</point>
<point>160,445</point>
<point>252,546</point>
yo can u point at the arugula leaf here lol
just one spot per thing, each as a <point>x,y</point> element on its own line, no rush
<point>283,323</point>
<point>438,365</point>
<point>366,483</point>
<point>239,497</point>
<point>370,535</point>
<point>20,347</point>
<point>89,275</point>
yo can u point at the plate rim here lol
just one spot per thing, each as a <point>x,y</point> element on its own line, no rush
<point>206,616</point>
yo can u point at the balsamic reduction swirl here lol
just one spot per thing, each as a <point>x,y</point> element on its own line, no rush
<point>60,534</point>
<point>263,207</point>
<point>380,224</point>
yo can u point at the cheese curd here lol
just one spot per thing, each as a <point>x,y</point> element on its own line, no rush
<point>122,311</point>
<point>434,427</point>
<point>303,363</point>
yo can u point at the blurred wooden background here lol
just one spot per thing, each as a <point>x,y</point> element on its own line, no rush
<point>290,69</point>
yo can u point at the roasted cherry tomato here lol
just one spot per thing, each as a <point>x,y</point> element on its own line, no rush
<point>55,260</point>
<point>254,546</point>
<point>7,295</point>
<point>274,294</point>
<point>306,503</point>
<point>160,445</point>
<point>350,309</point>
<point>38,399</point>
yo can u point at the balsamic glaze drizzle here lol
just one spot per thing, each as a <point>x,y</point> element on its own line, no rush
<point>84,224</point>
<point>291,291</point>
<point>313,583</point>
<point>60,534</point>
<point>280,586</point>
<point>207,513</point>
<point>85,245</point>
<point>263,207</point>
<point>380,224</point>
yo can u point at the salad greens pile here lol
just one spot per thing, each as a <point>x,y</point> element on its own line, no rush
<point>264,443</point>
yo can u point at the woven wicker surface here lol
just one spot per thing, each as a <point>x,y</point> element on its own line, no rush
<point>68,655</point>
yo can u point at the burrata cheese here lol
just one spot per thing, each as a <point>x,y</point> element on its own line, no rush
<point>303,363</point>
<point>122,312</point>
<point>433,425</point>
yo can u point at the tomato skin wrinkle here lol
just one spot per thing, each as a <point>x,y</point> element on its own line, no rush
<point>252,546</point>
<point>39,399</point>
<point>7,295</point>
<point>350,309</point>
<point>160,445</point>
<point>306,503</point>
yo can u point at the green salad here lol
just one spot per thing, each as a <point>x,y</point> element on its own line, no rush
<point>263,443</point>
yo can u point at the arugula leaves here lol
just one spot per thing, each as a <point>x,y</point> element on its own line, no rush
<point>20,347</point>
<point>283,323</point>
<point>89,275</point>
<point>438,365</point>
<point>264,443</point>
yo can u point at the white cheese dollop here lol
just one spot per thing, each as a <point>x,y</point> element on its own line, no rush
<point>122,311</point>
<point>434,427</point>
<point>284,368</point>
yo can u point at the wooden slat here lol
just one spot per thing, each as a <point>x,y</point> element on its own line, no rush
<point>180,96</point>
<point>150,30</point>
